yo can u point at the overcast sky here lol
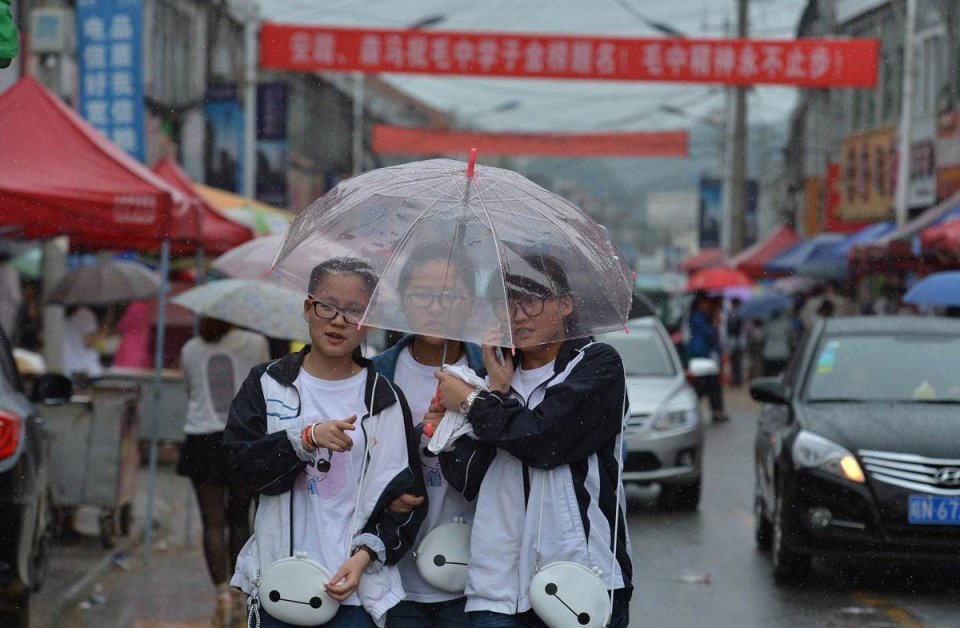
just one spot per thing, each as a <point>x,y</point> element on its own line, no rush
<point>563,105</point>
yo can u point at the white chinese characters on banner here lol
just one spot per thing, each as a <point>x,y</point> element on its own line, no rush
<point>110,91</point>
<point>806,62</point>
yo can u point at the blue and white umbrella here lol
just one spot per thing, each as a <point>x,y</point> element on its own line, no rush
<point>764,306</point>
<point>936,290</point>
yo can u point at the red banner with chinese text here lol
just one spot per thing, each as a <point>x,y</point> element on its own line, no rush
<point>801,62</point>
<point>394,140</point>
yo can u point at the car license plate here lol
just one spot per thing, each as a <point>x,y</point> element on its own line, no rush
<point>934,509</point>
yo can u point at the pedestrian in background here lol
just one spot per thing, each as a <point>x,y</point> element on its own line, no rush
<point>736,341</point>
<point>133,350</point>
<point>779,340</point>
<point>434,293</point>
<point>555,416</point>
<point>11,296</point>
<point>705,343</point>
<point>82,333</point>
<point>328,444</point>
<point>214,364</point>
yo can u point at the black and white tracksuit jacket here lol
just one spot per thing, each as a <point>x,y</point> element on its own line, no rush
<point>262,443</point>
<point>562,443</point>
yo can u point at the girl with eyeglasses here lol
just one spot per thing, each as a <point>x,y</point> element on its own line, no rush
<point>555,416</point>
<point>328,444</point>
<point>435,293</point>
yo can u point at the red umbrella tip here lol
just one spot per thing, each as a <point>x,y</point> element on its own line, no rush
<point>472,163</point>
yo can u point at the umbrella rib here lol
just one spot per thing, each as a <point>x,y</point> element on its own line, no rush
<point>496,247</point>
<point>397,247</point>
<point>564,229</point>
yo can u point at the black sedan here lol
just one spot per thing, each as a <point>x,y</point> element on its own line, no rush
<point>25,521</point>
<point>858,447</point>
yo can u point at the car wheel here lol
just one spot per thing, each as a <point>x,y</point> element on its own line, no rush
<point>680,496</point>
<point>107,528</point>
<point>40,562</point>
<point>789,567</point>
<point>763,529</point>
<point>126,519</point>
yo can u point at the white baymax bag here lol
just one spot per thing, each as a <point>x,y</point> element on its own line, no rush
<point>292,590</point>
<point>443,556</point>
<point>568,594</point>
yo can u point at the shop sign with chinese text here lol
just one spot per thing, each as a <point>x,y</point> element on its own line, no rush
<point>948,153</point>
<point>868,175</point>
<point>110,54</point>
<point>801,62</point>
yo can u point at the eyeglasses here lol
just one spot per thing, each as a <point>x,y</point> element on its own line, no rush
<point>531,306</point>
<point>329,312</point>
<point>424,299</point>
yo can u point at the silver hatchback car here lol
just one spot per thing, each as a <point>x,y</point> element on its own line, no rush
<point>664,434</point>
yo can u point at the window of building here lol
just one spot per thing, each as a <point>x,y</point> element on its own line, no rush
<point>172,37</point>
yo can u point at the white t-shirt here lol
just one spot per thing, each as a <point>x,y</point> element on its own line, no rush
<point>419,386</point>
<point>324,503</point>
<point>77,357</point>
<point>526,381</point>
<point>214,373</point>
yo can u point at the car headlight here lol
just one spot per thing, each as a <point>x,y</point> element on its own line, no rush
<point>675,420</point>
<point>815,452</point>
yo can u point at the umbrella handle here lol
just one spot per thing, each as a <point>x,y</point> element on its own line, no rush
<point>472,163</point>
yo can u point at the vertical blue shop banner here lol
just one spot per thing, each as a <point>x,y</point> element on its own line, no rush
<point>711,212</point>
<point>223,151</point>
<point>711,204</point>
<point>110,53</point>
<point>272,144</point>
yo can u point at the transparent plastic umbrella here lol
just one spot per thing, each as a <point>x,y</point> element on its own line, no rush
<point>250,260</point>
<point>489,219</point>
<point>273,310</point>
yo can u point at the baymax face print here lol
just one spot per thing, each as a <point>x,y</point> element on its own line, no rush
<point>430,464</point>
<point>326,477</point>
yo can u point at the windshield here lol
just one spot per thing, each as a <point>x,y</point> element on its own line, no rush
<point>886,368</point>
<point>644,353</point>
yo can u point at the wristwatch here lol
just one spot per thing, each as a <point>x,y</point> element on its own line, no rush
<point>467,402</point>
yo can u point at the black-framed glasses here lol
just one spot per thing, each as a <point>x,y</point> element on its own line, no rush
<point>329,312</point>
<point>531,306</point>
<point>425,298</point>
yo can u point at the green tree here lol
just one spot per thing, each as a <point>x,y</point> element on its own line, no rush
<point>8,35</point>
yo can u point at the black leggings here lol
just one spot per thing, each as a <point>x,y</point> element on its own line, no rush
<point>225,512</point>
<point>709,386</point>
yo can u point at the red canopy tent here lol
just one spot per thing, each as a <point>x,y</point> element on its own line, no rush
<point>61,176</point>
<point>704,259</point>
<point>219,234</point>
<point>752,259</point>
<point>944,237</point>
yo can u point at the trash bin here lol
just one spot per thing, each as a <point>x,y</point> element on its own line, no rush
<point>172,404</point>
<point>93,441</point>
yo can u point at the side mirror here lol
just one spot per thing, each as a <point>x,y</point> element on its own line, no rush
<point>702,367</point>
<point>768,390</point>
<point>52,389</point>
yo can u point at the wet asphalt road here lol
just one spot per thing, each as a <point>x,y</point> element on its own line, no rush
<point>703,568</point>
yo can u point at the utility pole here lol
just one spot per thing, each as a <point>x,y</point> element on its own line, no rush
<point>736,191</point>
<point>250,52</point>
<point>906,116</point>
